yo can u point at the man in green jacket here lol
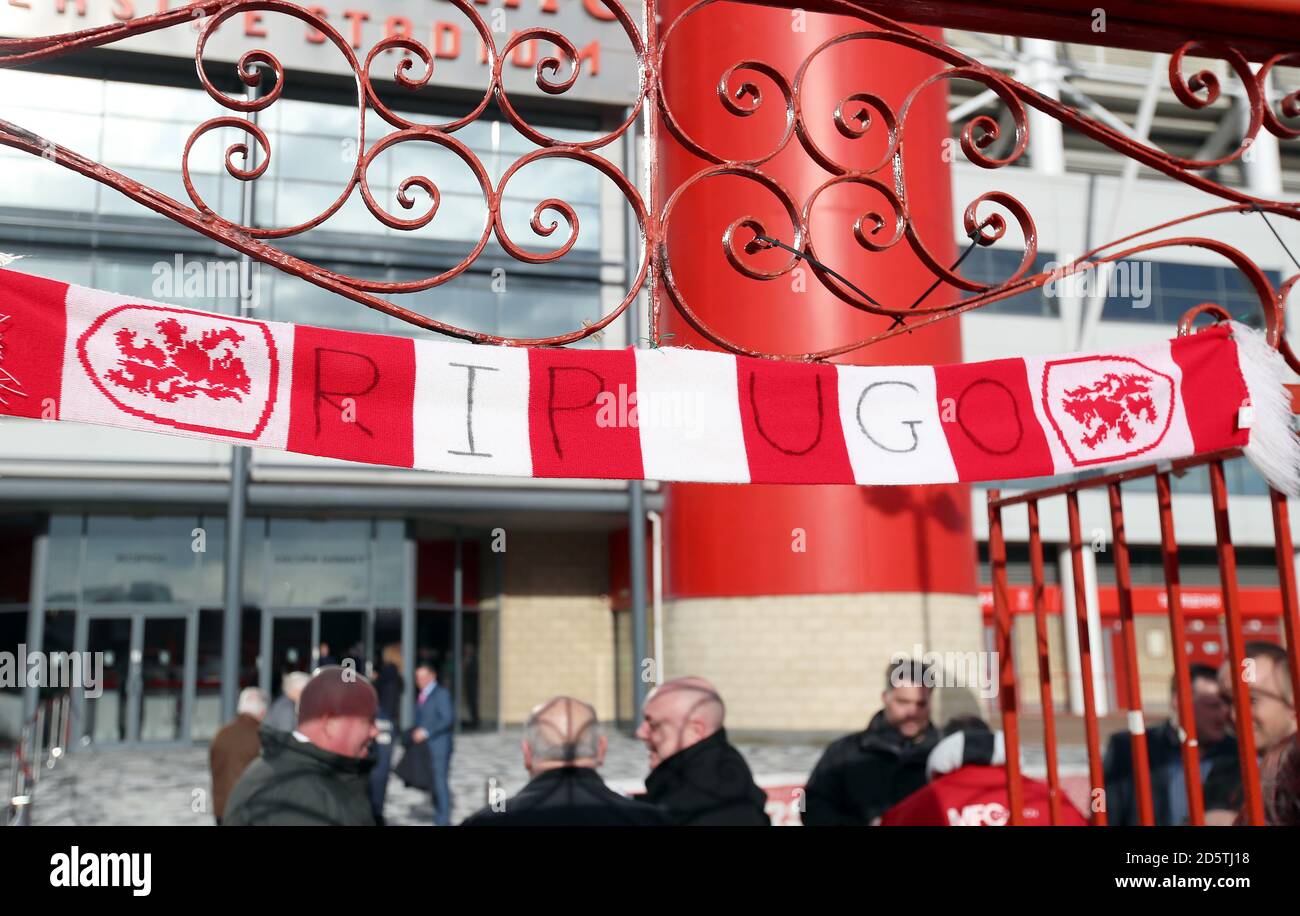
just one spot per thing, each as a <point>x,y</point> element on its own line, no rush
<point>315,775</point>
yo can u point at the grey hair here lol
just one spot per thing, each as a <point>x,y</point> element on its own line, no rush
<point>294,680</point>
<point>550,745</point>
<point>252,700</point>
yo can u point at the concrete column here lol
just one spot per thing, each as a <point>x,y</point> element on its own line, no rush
<point>1070,627</point>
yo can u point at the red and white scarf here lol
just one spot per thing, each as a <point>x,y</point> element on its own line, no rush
<point>70,353</point>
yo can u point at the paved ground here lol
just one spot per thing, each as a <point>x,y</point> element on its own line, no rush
<point>169,786</point>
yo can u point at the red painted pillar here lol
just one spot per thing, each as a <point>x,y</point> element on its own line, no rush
<point>737,540</point>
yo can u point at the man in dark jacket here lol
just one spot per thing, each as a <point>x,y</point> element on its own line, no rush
<point>235,746</point>
<point>562,748</point>
<point>317,774</point>
<point>862,775</point>
<point>696,775</point>
<point>1165,756</point>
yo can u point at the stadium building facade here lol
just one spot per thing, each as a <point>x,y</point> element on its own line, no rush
<point>113,541</point>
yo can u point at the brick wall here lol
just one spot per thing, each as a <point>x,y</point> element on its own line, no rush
<point>557,630</point>
<point>814,663</point>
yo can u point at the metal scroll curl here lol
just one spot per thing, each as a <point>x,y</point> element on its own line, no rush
<point>419,193</point>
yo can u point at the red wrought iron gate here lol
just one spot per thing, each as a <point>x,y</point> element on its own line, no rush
<point>1131,699</point>
<point>652,206</point>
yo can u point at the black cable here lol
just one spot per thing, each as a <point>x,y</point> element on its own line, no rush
<point>1264,217</point>
<point>973,235</point>
<point>816,263</point>
<point>898,319</point>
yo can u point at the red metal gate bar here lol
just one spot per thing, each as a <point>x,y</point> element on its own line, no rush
<point>1254,803</point>
<point>1182,669</point>
<point>1286,573</point>
<point>1044,666</point>
<point>1095,777</point>
<point>1006,667</point>
<point>1133,687</point>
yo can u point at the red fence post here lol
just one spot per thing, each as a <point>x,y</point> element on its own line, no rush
<point>1095,776</point>
<point>1182,669</point>
<point>1133,687</point>
<point>1006,662</point>
<point>1044,666</point>
<point>1286,573</point>
<point>1254,803</point>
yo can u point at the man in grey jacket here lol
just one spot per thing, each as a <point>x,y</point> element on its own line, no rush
<point>283,714</point>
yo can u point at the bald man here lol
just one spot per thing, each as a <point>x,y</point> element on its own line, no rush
<point>316,775</point>
<point>696,775</point>
<point>563,748</point>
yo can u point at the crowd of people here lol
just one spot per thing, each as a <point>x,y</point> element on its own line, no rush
<point>1267,678</point>
<point>332,764</point>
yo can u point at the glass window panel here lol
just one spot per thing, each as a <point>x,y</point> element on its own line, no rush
<point>318,564</point>
<point>40,185</point>
<point>28,90</point>
<point>325,159</point>
<point>390,563</point>
<point>206,715</point>
<point>61,583</point>
<point>139,560</point>
<point>437,163</point>
<point>1190,278</point>
<point>157,144</point>
<point>76,131</point>
<point>193,106</point>
<point>324,119</point>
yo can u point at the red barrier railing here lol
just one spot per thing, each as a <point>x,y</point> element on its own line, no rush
<point>1253,804</point>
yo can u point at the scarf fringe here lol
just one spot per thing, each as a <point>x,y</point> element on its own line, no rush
<point>1274,447</point>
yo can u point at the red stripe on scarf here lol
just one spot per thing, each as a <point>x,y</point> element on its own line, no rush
<point>988,416</point>
<point>1213,389</point>
<point>353,396</point>
<point>790,414</point>
<point>31,345</point>
<point>581,414</point>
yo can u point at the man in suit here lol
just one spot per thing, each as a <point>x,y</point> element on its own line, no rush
<point>235,746</point>
<point>434,719</point>
<point>562,748</point>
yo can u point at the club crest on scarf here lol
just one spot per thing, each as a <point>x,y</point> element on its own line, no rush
<point>175,367</point>
<point>1107,408</point>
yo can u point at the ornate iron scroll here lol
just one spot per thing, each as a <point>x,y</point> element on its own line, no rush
<point>739,96</point>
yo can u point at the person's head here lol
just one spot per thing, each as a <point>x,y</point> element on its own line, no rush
<point>1279,779</point>
<point>292,684</point>
<point>337,711</point>
<point>324,651</point>
<point>678,714</point>
<point>562,732</point>
<point>425,674</point>
<point>252,702</point>
<point>1267,677</point>
<point>906,697</point>
<point>1272,705</point>
<point>392,655</point>
<point>1212,714</point>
